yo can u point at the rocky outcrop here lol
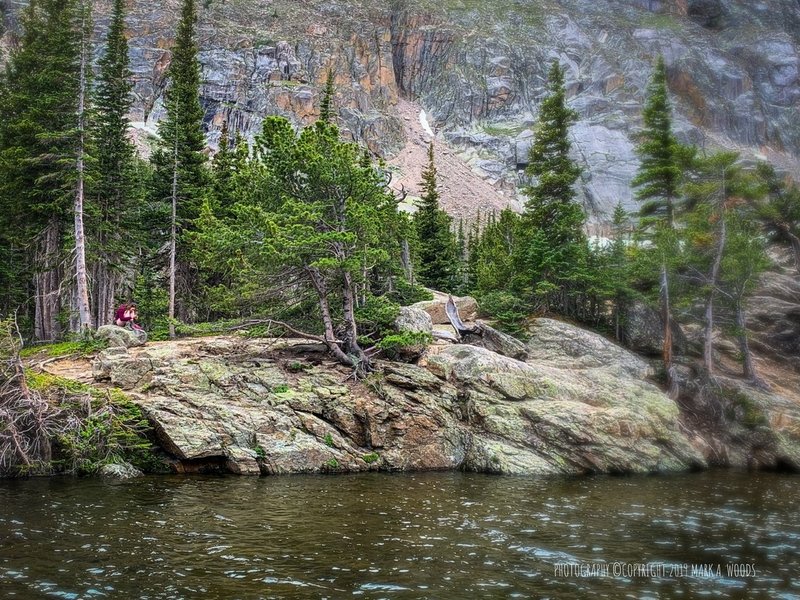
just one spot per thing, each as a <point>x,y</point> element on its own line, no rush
<point>569,347</point>
<point>120,337</point>
<point>490,338</point>
<point>250,407</point>
<point>261,406</point>
<point>774,314</point>
<point>541,418</point>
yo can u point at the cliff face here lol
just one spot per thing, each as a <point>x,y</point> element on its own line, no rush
<point>478,67</point>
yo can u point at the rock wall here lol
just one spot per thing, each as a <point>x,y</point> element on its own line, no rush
<point>478,70</point>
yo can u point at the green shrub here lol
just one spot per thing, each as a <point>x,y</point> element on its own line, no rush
<point>102,426</point>
<point>404,344</point>
<point>371,458</point>
<point>376,316</point>
<point>509,311</point>
<point>297,367</point>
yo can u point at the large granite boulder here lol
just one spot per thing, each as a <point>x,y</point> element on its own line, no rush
<point>413,320</point>
<point>244,407</point>
<point>543,416</point>
<point>120,337</point>
<point>566,346</point>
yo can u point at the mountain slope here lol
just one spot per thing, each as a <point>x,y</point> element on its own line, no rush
<point>477,68</point>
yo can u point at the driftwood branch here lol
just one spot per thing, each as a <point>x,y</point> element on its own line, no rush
<point>287,327</point>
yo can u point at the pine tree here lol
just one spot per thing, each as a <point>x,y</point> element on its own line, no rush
<point>181,175</point>
<point>39,148</point>
<point>333,216</point>
<point>463,257</point>
<point>438,259</point>
<point>551,198</point>
<point>618,271</point>
<point>112,229</point>
<point>222,171</point>
<point>745,259</point>
<point>659,180</point>
<point>660,173</point>
<point>326,109</point>
<point>779,210</point>
<point>494,253</point>
<point>553,245</point>
<point>716,181</point>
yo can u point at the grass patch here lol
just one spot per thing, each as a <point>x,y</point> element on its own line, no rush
<point>371,458</point>
<point>81,348</point>
<point>45,384</point>
<point>661,21</point>
<point>504,130</point>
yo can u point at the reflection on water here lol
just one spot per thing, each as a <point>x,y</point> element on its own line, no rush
<point>432,535</point>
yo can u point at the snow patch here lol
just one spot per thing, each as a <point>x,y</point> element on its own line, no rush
<point>423,120</point>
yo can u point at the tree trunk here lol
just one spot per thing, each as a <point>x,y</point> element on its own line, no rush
<point>351,346</point>
<point>748,367</point>
<point>708,346</point>
<point>405,258</point>
<point>666,319</point>
<point>173,234</point>
<point>47,282</point>
<point>81,278</point>
<point>103,291</point>
<point>327,321</point>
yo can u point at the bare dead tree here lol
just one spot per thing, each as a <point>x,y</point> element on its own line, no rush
<point>27,421</point>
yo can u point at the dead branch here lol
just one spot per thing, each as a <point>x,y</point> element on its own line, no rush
<point>287,327</point>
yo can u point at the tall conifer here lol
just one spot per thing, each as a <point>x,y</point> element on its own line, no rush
<point>111,229</point>
<point>181,174</point>
<point>552,246</point>
<point>659,182</point>
<point>38,150</point>
<point>659,177</point>
<point>327,112</point>
<point>438,255</point>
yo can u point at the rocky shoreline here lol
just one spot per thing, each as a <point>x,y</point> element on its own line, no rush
<point>575,404</point>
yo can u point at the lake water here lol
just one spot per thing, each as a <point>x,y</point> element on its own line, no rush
<point>432,535</point>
